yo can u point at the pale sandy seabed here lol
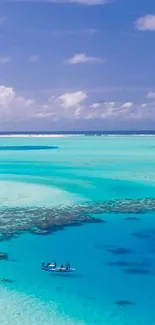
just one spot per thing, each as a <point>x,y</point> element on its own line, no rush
<point>20,194</point>
<point>20,309</point>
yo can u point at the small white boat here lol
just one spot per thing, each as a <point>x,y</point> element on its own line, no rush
<point>52,265</point>
<point>63,270</point>
<point>51,268</point>
<point>47,267</point>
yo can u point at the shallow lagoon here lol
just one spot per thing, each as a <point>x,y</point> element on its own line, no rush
<point>116,168</point>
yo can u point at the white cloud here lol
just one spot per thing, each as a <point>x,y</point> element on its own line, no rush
<point>78,112</point>
<point>151,95</point>
<point>95,105</point>
<point>83,58</point>
<point>2,20</point>
<point>146,23</point>
<point>127,105</point>
<point>143,105</point>
<point>9,96</point>
<point>6,95</point>
<point>71,106</point>
<point>33,58</point>
<point>5,59</point>
<point>72,99</point>
<point>13,106</point>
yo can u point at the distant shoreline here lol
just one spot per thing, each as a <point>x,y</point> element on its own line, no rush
<point>62,134</point>
<point>76,134</point>
<point>31,135</point>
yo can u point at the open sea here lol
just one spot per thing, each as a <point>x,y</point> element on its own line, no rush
<point>114,282</point>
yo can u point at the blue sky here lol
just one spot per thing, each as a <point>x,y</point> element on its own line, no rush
<point>81,64</point>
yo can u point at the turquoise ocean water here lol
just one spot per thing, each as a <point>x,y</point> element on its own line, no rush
<point>81,169</point>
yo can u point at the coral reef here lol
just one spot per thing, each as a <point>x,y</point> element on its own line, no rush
<point>40,221</point>
<point>44,220</point>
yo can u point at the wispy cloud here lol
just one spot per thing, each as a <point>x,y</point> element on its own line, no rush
<point>5,59</point>
<point>151,95</point>
<point>95,105</point>
<point>33,58</point>
<point>91,2</point>
<point>82,2</point>
<point>83,58</point>
<point>146,23</point>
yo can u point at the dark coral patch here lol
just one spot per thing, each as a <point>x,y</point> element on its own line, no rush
<point>121,251</point>
<point>141,235</point>
<point>137,271</point>
<point>3,256</point>
<point>119,263</point>
<point>130,264</point>
<point>132,218</point>
<point>6,280</point>
<point>124,303</point>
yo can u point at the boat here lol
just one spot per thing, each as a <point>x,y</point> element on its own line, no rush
<point>51,268</point>
<point>48,266</point>
<point>63,270</point>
